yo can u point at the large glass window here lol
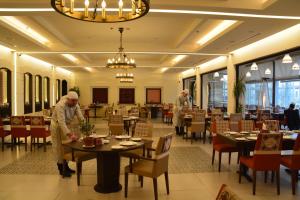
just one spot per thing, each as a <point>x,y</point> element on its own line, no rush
<point>214,90</point>
<point>27,93</point>
<point>5,92</point>
<point>46,86</point>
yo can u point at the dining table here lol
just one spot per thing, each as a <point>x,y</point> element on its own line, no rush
<point>108,160</point>
<point>245,143</point>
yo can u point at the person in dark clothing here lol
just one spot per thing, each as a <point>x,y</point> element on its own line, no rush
<point>292,117</point>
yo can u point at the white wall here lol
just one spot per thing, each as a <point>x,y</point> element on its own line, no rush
<point>143,78</point>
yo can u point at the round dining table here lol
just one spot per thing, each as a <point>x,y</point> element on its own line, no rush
<point>108,163</point>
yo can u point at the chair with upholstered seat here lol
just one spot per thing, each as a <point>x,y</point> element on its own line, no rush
<point>152,167</point>
<point>271,125</point>
<point>197,126</point>
<point>214,117</point>
<point>225,193</point>
<point>266,157</point>
<point>18,130</point>
<point>293,163</point>
<point>246,126</point>
<point>3,133</point>
<point>116,125</point>
<point>234,120</point>
<point>220,146</point>
<point>38,129</point>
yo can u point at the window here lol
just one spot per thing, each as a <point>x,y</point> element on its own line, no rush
<point>58,90</point>
<point>27,93</point>
<point>126,96</point>
<point>5,92</point>
<point>153,95</point>
<point>190,85</point>
<point>214,90</point>
<point>38,93</point>
<point>64,85</point>
<point>100,95</point>
<point>46,86</point>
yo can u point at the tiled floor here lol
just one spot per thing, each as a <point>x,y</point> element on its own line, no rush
<point>186,186</point>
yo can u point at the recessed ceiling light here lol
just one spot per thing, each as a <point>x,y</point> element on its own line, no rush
<point>217,30</point>
<point>178,59</point>
<point>164,69</point>
<point>70,57</point>
<point>254,67</point>
<point>287,59</point>
<point>89,69</point>
<point>20,26</point>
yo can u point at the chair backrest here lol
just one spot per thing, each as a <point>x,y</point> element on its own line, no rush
<point>267,153</point>
<point>235,117</point>
<point>222,126</point>
<point>164,144</point>
<point>202,111</point>
<point>116,129</point>
<point>217,117</point>
<point>122,110</point>
<point>225,193</point>
<point>262,116</point>
<point>17,121</point>
<point>37,121</point>
<point>198,117</point>
<point>296,153</point>
<point>246,125</point>
<point>271,125</point>
<point>143,129</point>
<point>216,111</point>
<point>115,119</point>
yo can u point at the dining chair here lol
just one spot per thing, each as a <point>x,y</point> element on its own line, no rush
<point>3,133</point>
<point>271,125</point>
<point>38,129</point>
<point>216,111</point>
<point>246,126</point>
<point>219,145</point>
<point>116,125</point>
<point>266,157</point>
<point>226,193</point>
<point>18,130</point>
<point>293,163</point>
<point>212,124</point>
<point>197,126</point>
<point>234,120</point>
<point>152,167</point>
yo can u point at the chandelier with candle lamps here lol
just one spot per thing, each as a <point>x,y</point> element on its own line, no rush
<point>121,60</point>
<point>102,11</point>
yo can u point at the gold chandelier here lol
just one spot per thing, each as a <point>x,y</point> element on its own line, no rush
<point>121,60</point>
<point>102,11</point>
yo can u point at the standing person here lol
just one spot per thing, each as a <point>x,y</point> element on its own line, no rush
<point>181,102</point>
<point>64,113</point>
<point>292,117</point>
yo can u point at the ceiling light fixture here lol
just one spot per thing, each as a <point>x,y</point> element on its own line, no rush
<point>164,69</point>
<point>295,66</point>
<point>124,75</point>
<point>268,71</point>
<point>178,58</point>
<point>126,80</point>
<point>98,12</point>
<point>287,59</point>
<point>121,60</point>
<point>221,27</point>
<point>248,74</point>
<point>216,75</point>
<point>20,26</point>
<point>254,67</point>
<point>70,57</point>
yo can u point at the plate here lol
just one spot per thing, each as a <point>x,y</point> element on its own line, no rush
<point>136,139</point>
<point>256,132</point>
<point>240,139</point>
<point>252,138</point>
<point>123,136</point>
<point>117,147</point>
<point>105,141</point>
<point>99,136</point>
<point>88,147</point>
<point>244,132</point>
<point>128,143</point>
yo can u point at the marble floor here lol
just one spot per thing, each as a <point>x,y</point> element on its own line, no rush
<point>183,185</point>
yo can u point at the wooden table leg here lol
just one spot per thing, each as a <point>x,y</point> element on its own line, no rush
<point>108,172</point>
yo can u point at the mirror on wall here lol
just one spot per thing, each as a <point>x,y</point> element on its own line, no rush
<point>38,93</point>
<point>46,92</point>
<point>58,90</point>
<point>27,93</point>
<point>5,92</point>
<point>64,85</point>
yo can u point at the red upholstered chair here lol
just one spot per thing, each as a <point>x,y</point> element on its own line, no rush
<point>266,157</point>
<point>3,133</point>
<point>18,129</point>
<point>293,162</point>
<point>221,127</point>
<point>38,129</point>
<point>214,117</point>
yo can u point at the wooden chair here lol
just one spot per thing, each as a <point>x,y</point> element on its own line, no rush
<point>271,125</point>
<point>116,125</point>
<point>38,129</point>
<point>197,126</point>
<point>266,157</point>
<point>293,163</point>
<point>234,120</point>
<point>3,133</point>
<point>246,126</point>
<point>225,193</point>
<point>218,145</point>
<point>152,167</point>
<point>18,130</point>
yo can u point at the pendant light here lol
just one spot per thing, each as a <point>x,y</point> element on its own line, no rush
<point>287,59</point>
<point>216,75</point>
<point>254,67</point>
<point>268,71</point>
<point>295,66</point>
<point>248,74</point>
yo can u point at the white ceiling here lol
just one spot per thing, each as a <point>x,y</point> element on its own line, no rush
<point>154,32</point>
